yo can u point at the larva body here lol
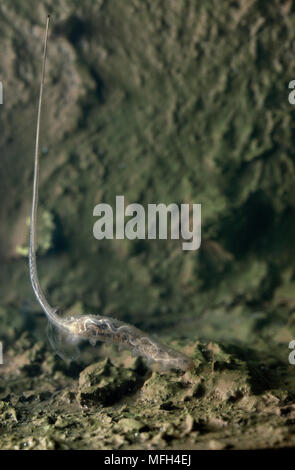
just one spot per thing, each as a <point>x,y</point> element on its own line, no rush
<point>98,328</point>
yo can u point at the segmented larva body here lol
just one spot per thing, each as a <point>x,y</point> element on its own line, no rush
<point>98,328</point>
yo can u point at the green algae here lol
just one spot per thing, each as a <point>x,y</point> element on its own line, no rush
<point>45,234</point>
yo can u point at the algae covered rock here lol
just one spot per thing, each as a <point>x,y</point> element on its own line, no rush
<point>7,412</point>
<point>218,375</point>
<point>161,388</point>
<point>130,425</point>
<point>104,383</point>
<point>227,401</point>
